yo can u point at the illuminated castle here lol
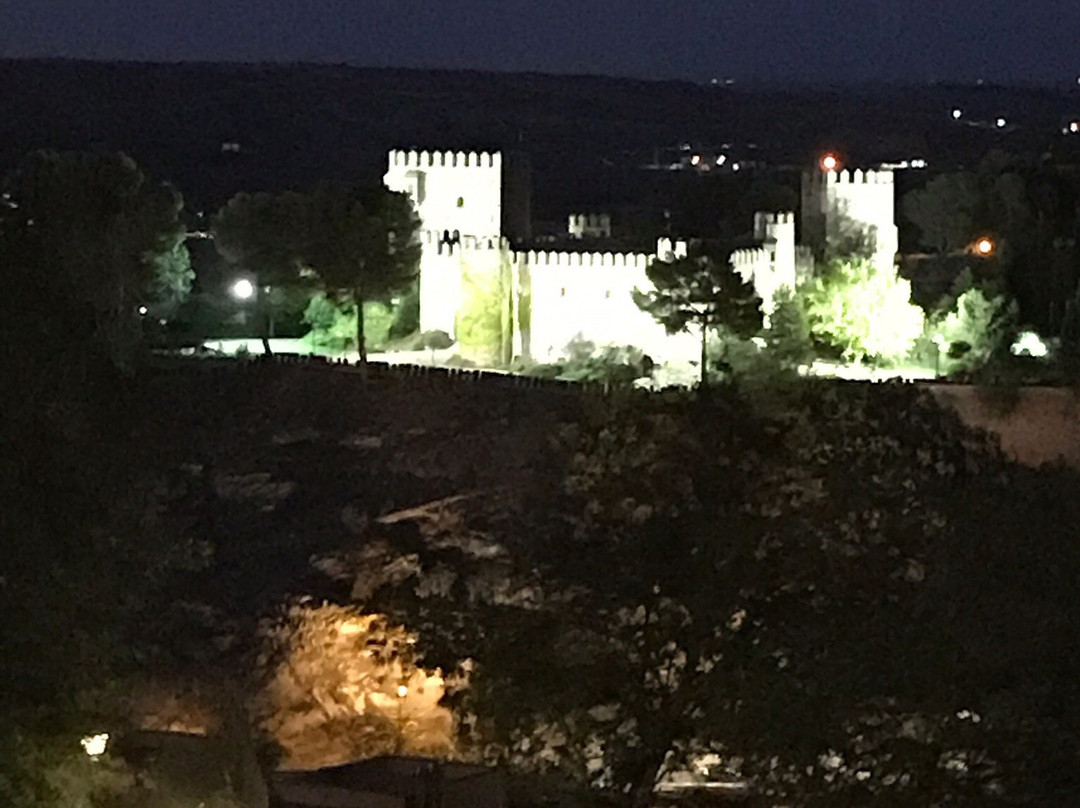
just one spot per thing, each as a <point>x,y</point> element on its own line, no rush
<point>500,303</point>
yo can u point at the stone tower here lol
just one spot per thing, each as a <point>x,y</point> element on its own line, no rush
<point>837,205</point>
<point>463,199</point>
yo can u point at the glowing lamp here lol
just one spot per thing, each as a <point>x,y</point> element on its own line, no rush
<point>95,745</point>
<point>402,691</point>
<point>1001,123</point>
<point>1074,127</point>
<point>695,160</point>
<point>830,162</point>
<point>984,246</point>
<point>1029,344</point>
<point>243,289</point>
<point>957,114</point>
<point>143,310</point>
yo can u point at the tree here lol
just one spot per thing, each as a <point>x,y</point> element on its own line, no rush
<point>947,211</point>
<point>864,312</point>
<point>338,685</point>
<point>637,604</point>
<point>436,341</point>
<point>702,291</point>
<point>362,244</point>
<point>260,234</point>
<point>788,334</point>
<point>91,240</point>
<point>676,579</point>
<point>976,326</point>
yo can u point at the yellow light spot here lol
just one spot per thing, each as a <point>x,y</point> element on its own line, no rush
<point>95,745</point>
<point>402,691</point>
<point>984,246</point>
<point>830,162</point>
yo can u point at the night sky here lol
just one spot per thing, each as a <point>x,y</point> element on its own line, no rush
<point>1028,41</point>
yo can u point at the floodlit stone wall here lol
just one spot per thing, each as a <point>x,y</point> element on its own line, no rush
<point>454,192</point>
<point>834,200</point>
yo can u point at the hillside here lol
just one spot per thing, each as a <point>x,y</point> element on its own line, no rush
<point>587,136</point>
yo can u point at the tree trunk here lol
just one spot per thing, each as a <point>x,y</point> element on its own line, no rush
<point>641,795</point>
<point>361,343</point>
<point>704,355</point>
<point>267,322</point>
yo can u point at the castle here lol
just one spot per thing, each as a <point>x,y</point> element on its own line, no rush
<point>501,302</point>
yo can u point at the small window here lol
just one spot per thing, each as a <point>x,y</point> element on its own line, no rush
<point>461,201</point>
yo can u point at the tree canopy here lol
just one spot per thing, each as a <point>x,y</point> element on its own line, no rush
<point>362,244</point>
<point>90,238</point>
<point>701,291</point>
<point>791,599</point>
<point>863,312</point>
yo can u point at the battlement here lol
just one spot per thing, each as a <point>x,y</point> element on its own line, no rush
<point>761,218</point>
<point>605,260</point>
<point>441,159</point>
<point>750,257</point>
<point>860,177</point>
<point>592,225</point>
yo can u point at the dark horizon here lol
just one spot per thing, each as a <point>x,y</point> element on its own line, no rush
<point>761,84</point>
<point>759,43</point>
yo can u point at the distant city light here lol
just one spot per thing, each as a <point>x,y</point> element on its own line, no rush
<point>830,162</point>
<point>721,159</point>
<point>695,160</point>
<point>1074,127</point>
<point>1029,344</point>
<point>957,114</point>
<point>143,310</point>
<point>1001,123</point>
<point>243,289</point>
<point>735,166</point>
<point>95,745</point>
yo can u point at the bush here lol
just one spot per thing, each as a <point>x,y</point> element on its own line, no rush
<point>788,334</point>
<point>333,323</point>
<point>975,330</point>
<point>863,312</point>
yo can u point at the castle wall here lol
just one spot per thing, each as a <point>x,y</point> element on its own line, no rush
<point>772,265</point>
<point>590,296</point>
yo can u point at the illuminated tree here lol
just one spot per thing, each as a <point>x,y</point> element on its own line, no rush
<point>863,312</point>
<point>339,685</point>
<point>704,292</point>
<point>362,244</point>
<point>260,235</point>
<point>975,328</point>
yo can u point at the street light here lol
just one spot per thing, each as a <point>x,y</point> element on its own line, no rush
<point>243,289</point>
<point>985,247</point>
<point>830,162</point>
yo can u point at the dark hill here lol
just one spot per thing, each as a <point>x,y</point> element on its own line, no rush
<point>297,124</point>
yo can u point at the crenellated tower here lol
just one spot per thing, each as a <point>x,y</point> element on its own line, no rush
<point>842,208</point>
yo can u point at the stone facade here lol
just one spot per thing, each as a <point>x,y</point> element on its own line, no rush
<point>500,303</point>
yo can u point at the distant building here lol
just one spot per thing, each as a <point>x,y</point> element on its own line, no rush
<point>500,300</point>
